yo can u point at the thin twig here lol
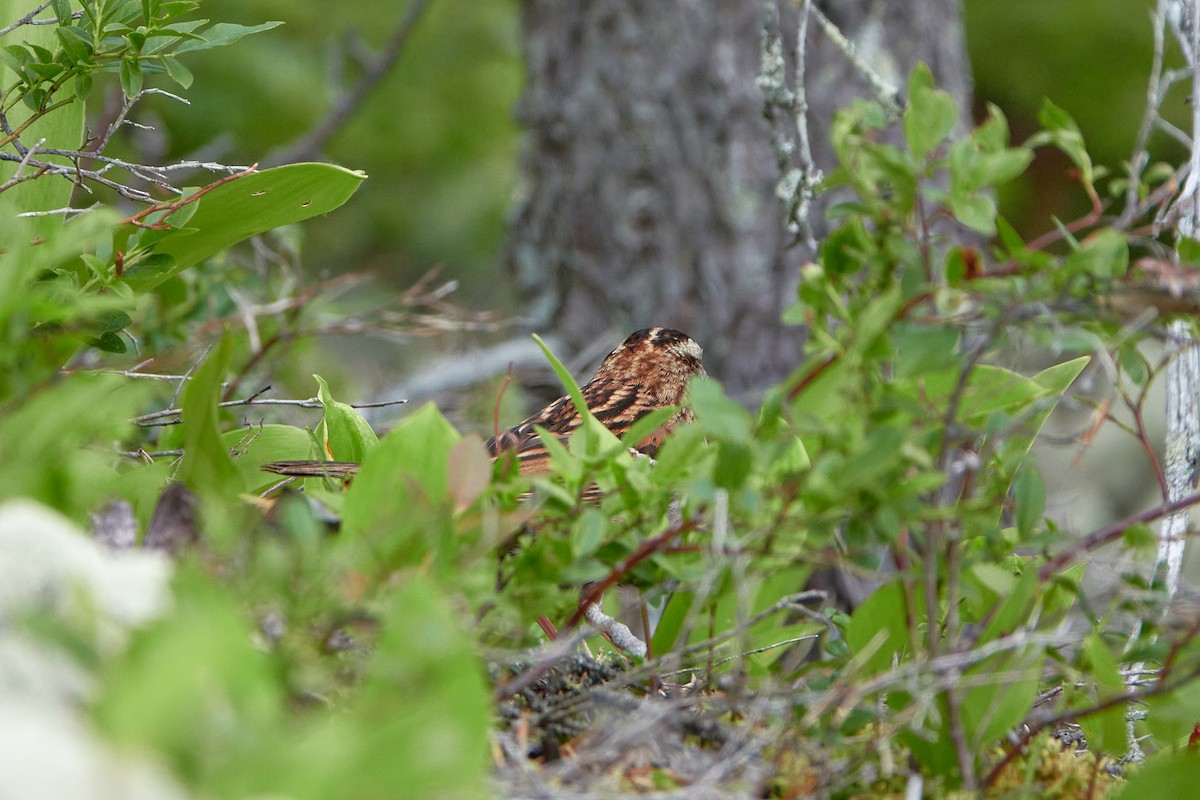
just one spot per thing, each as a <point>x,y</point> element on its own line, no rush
<point>145,420</point>
<point>885,93</point>
<point>25,20</point>
<point>170,208</point>
<point>1141,154</point>
<point>1110,533</point>
<point>190,370</point>
<point>648,548</point>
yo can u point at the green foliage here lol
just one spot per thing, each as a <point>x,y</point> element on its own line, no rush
<point>438,135</point>
<point>343,434</point>
<point>229,213</point>
<point>305,663</point>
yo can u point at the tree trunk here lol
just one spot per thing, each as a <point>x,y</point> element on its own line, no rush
<point>652,161</point>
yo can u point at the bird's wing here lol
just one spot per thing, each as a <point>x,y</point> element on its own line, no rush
<point>616,404</point>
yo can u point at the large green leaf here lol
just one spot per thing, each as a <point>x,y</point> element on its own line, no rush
<point>62,128</point>
<point>343,432</point>
<point>425,703</point>
<point>878,629</point>
<point>254,446</point>
<point>399,497</point>
<point>1167,774</point>
<point>235,211</point>
<point>206,466</point>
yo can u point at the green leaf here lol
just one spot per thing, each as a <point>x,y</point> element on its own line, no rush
<point>998,168</point>
<point>401,480</point>
<point>874,320</point>
<point>647,425</point>
<point>1106,731</point>
<point>990,390</point>
<point>115,321</point>
<point>61,129</point>
<point>62,11</point>
<point>253,447</point>
<point>131,77</point>
<point>931,113</point>
<point>1029,491</point>
<point>878,629</point>
<point>997,706</point>
<point>43,55</point>
<point>1014,594</point>
<point>221,34</point>
<point>717,415</point>
<point>1188,250</point>
<point>1062,132</point>
<point>1172,717</point>
<point>976,211</point>
<point>343,432</point>
<point>83,86</point>
<point>592,435</point>
<point>56,440</point>
<point>75,42</point>
<point>191,681</point>
<point>841,252</point>
<point>734,462</point>
<point>992,136</point>
<point>1104,255</point>
<point>109,342</point>
<point>145,270</point>
<point>424,709</point>
<point>206,467</point>
<point>921,349</point>
<point>1166,775</point>
<point>564,377</point>
<point>1139,537</point>
<point>587,533</point>
<point>560,456</point>
<point>250,205</point>
<point>178,72</point>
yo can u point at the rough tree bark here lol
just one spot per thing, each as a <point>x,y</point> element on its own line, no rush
<point>651,163</point>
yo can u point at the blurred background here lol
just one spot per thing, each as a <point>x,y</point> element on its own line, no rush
<point>438,138</point>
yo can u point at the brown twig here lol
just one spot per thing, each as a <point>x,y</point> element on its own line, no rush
<point>12,137</point>
<point>1137,408</point>
<point>647,548</point>
<point>1111,533</point>
<point>1056,234</point>
<point>171,208</point>
<point>818,370</point>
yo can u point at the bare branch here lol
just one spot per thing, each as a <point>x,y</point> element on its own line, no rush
<point>26,20</point>
<point>155,417</point>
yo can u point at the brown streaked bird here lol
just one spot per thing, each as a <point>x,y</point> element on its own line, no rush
<point>648,371</point>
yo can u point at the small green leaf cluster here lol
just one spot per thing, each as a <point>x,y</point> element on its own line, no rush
<point>132,38</point>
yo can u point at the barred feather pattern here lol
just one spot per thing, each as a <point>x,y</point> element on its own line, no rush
<point>648,371</point>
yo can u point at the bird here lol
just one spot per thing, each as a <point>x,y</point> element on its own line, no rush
<point>650,370</point>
